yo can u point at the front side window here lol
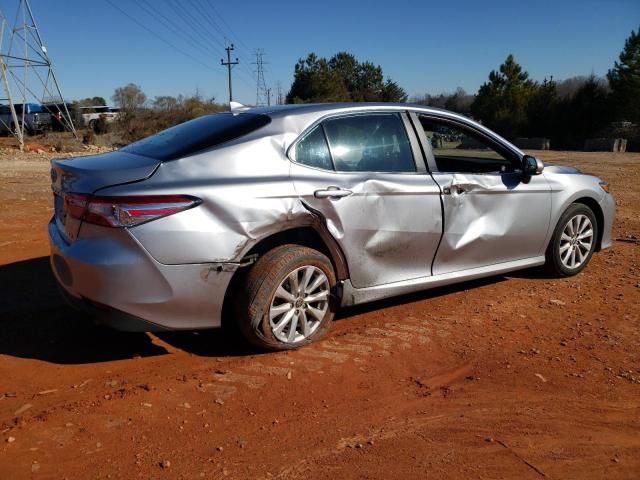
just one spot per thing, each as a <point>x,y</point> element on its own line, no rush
<point>369,143</point>
<point>459,150</point>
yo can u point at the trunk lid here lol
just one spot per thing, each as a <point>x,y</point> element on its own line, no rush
<point>89,174</point>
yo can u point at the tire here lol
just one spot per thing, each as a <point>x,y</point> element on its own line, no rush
<point>93,125</point>
<point>269,315</point>
<point>573,242</point>
<point>26,131</point>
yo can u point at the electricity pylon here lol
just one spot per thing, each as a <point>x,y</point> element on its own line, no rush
<point>262,95</point>
<point>27,71</point>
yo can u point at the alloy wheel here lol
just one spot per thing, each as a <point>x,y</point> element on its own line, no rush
<point>576,241</point>
<point>299,304</point>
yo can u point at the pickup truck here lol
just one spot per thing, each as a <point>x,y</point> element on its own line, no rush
<point>58,111</point>
<point>34,116</point>
<point>91,115</point>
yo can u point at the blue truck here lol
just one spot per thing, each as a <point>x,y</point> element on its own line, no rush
<point>35,118</point>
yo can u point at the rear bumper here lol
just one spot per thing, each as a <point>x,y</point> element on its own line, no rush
<point>107,273</point>
<point>104,315</point>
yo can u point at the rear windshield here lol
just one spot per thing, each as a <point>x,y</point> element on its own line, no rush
<point>196,135</point>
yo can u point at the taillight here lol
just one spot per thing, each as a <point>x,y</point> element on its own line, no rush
<point>126,211</point>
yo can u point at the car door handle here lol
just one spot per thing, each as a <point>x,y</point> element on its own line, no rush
<point>332,192</point>
<point>456,188</point>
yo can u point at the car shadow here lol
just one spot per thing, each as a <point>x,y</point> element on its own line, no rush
<point>415,297</point>
<point>535,273</point>
<point>36,322</point>
<point>218,342</point>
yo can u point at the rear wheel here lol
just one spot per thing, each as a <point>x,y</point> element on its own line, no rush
<point>573,241</point>
<point>24,128</point>
<point>286,299</point>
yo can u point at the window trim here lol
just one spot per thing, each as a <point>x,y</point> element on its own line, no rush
<point>414,142</point>
<point>511,155</point>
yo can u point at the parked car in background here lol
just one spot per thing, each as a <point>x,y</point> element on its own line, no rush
<point>280,215</point>
<point>58,111</point>
<point>34,117</point>
<point>91,115</point>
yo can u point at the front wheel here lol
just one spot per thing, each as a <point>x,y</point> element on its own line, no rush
<point>573,241</point>
<point>286,300</point>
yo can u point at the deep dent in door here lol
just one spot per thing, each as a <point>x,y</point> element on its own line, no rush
<point>402,244</point>
<point>488,220</point>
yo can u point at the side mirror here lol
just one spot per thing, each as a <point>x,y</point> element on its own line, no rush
<point>532,165</point>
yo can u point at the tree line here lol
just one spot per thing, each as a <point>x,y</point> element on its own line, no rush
<point>509,102</point>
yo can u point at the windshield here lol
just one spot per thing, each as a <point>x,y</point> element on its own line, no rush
<point>196,135</point>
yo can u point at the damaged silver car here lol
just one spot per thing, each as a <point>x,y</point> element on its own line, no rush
<point>278,216</point>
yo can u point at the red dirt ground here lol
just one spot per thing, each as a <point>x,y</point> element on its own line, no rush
<point>517,376</point>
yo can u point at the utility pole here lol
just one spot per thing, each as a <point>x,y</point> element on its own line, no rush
<point>279,98</point>
<point>268,97</point>
<point>229,64</point>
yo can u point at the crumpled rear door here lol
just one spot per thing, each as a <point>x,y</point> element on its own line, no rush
<point>388,225</point>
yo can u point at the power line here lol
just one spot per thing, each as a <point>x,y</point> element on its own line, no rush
<point>196,26</point>
<point>159,37</point>
<point>215,10</point>
<point>201,23</point>
<point>191,21</point>
<point>161,18</point>
<point>207,16</point>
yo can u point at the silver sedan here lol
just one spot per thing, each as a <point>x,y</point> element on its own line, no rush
<point>278,216</point>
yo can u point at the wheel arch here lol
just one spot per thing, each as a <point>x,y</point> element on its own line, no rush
<point>597,211</point>
<point>312,235</point>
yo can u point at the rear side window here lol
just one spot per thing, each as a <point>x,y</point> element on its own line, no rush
<point>313,150</point>
<point>370,143</point>
<point>196,135</point>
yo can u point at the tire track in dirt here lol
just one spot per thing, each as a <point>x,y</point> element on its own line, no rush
<point>350,347</point>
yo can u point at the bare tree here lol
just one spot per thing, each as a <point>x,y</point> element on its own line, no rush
<point>129,98</point>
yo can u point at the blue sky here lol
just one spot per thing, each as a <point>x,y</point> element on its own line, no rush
<point>424,46</point>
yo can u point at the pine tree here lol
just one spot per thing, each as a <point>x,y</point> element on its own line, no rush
<point>501,102</point>
<point>341,78</point>
<point>624,79</point>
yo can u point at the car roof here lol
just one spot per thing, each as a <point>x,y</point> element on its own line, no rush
<point>319,110</point>
<point>304,108</point>
<point>306,114</point>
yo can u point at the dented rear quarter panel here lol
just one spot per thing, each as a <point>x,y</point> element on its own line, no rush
<point>247,195</point>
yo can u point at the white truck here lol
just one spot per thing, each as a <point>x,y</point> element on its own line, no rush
<point>91,115</point>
